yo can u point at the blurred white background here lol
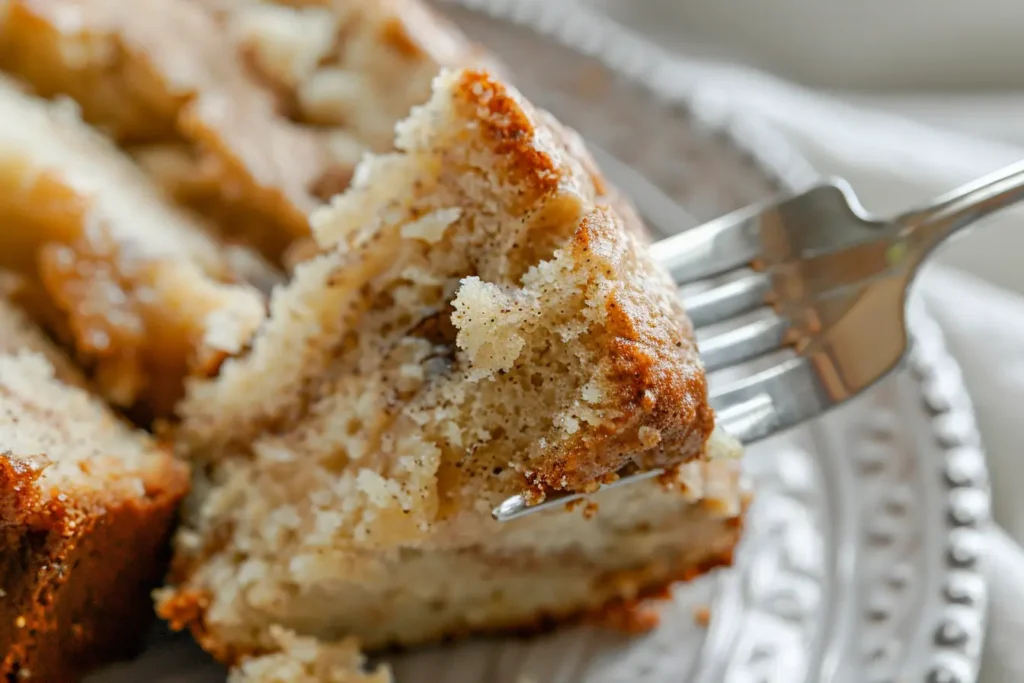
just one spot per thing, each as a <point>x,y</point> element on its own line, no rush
<point>949,71</point>
<point>868,44</point>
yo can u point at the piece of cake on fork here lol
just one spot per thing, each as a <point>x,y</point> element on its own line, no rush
<point>483,319</point>
<point>87,505</point>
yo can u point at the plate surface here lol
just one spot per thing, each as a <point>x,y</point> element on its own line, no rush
<point>861,557</point>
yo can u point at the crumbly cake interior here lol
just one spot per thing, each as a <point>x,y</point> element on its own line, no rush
<point>479,321</point>
<point>252,113</point>
<point>135,286</point>
<point>86,506</point>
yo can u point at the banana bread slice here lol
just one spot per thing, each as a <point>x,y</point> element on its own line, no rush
<point>481,321</point>
<point>86,509</point>
<point>134,285</point>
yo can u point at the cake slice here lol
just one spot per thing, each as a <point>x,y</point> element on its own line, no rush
<point>86,509</point>
<point>252,113</point>
<point>134,285</point>
<point>483,319</point>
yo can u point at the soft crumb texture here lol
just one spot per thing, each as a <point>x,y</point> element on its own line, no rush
<point>86,507</point>
<point>132,284</point>
<point>306,660</point>
<point>479,321</point>
<point>251,112</point>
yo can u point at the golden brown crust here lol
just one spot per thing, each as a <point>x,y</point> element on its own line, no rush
<point>510,124</point>
<point>76,581</point>
<point>633,615</point>
<point>649,583</point>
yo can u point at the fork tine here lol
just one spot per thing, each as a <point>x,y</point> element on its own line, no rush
<point>518,505</point>
<point>742,339</point>
<point>738,293</point>
<point>711,249</point>
<point>768,401</point>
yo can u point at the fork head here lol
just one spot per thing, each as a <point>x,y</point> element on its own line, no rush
<point>810,288</point>
<point>798,306</point>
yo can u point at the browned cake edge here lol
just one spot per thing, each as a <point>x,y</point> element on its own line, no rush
<point>76,578</point>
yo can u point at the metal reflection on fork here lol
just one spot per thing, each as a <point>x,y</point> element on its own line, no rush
<point>810,282</point>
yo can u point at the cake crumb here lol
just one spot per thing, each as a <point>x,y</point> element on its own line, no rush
<point>489,322</point>
<point>631,617</point>
<point>702,615</point>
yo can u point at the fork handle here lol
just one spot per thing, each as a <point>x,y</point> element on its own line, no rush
<point>928,227</point>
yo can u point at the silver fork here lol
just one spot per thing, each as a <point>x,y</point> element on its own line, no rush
<point>810,285</point>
